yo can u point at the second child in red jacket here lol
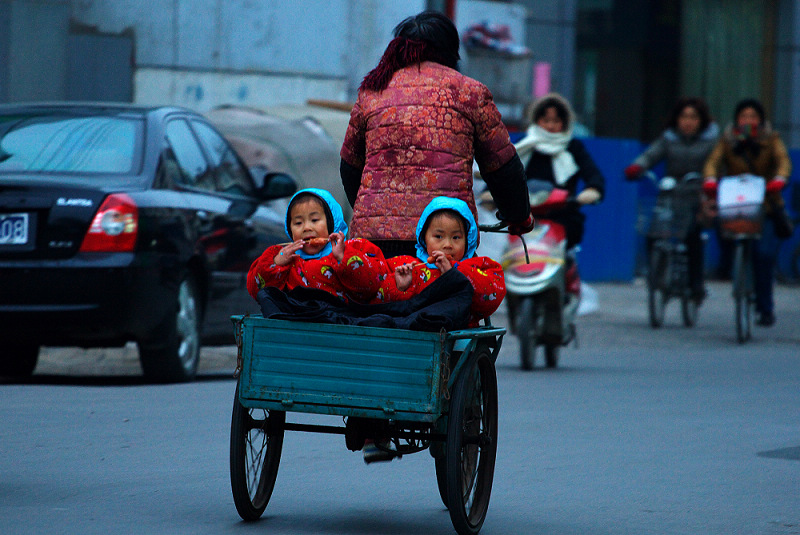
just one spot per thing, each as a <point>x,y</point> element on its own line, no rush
<point>447,237</point>
<point>319,256</point>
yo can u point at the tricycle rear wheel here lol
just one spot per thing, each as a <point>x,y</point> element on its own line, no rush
<point>472,442</point>
<point>256,444</point>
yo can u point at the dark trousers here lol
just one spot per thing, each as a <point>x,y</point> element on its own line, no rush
<point>765,255</point>
<point>695,259</point>
<point>573,221</point>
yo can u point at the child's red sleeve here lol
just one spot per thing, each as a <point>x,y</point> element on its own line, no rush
<point>486,277</point>
<point>388,290</point>
<point>264,272</point>
<point>361,269</point>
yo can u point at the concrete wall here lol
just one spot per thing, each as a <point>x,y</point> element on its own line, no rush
<point>33,56</point>
<point>202,53</point>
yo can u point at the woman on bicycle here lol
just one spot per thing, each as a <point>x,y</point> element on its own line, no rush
<point>684,147</point>
<point>749,145</point>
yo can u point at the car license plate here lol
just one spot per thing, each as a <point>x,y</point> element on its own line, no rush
<point>13,229</point>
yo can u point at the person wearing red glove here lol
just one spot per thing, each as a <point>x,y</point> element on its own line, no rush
<point>633,171</point>
<point>683,146</point>
<point>750,145</point>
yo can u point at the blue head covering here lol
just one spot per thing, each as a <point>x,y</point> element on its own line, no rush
<point>447,203</point>
<point>334,211</point>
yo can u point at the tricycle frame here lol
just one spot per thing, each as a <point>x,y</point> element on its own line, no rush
<point>388,384</point>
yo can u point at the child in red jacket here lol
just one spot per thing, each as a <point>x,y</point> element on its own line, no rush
<point>447,237</point>
<point>319,256</point>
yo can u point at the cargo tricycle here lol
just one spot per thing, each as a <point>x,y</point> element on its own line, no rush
<point>413,390</point>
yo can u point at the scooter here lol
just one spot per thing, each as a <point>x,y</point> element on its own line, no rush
<point>542,281</point>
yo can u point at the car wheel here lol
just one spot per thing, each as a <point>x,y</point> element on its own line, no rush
<point>19,359</point>
<point>171,355</point>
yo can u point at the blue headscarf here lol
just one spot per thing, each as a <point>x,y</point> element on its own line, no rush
<point>447,203</point>
<point>334,211</point>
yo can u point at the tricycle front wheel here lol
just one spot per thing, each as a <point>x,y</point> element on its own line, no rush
<point>256,444</point>
<point>471,442</point>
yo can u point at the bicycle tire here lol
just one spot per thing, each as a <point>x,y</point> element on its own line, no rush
<point>742,290</point>
<point>658,269</point>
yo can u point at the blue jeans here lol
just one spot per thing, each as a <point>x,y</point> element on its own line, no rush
<point>765,254</point>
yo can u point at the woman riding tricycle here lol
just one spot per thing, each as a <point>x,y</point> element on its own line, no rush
<point>429,384</point>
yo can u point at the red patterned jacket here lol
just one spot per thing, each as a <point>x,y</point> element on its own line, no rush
<point>416,140</point>
<point>485,274</point>
<point>357,278</point>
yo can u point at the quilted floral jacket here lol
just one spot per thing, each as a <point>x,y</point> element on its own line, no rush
<point>416,140</point>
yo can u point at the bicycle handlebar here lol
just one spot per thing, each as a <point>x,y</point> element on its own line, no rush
<point>496,227</point>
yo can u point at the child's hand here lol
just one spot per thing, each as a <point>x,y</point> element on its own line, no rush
<point>337,242</point>
<point>402,276</point>
<point>287,253</point>
<point>443,261</point>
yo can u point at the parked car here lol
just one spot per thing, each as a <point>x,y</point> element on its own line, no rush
<point>125,223</point>
<point>303,140</point>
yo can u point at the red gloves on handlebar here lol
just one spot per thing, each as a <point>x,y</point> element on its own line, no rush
<point>776,184</point>
<point>521,228</point>
<point>633,171</point>
<point>710,188</point>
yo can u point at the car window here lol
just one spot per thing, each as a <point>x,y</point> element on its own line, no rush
<point>231,176</point>
<point>194,168</point>
<point>60,143</point>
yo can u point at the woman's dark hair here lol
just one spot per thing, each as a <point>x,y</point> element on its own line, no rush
<point>749,103</point>
<point>308,196</point>
<point>698,104</point>
<point>427,36</point>
<point>552,102</point>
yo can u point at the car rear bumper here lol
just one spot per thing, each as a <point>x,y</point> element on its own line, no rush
<point>91,299</point>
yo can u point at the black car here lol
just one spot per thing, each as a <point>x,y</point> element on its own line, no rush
<point>126,223</point>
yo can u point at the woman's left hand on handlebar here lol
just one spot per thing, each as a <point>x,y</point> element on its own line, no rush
<point>588,196</point>
<point>521,228</point>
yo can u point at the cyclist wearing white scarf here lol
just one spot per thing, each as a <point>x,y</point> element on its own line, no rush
<point>549,152</point>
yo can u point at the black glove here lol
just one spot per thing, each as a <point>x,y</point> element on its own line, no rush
<point>522,228</point>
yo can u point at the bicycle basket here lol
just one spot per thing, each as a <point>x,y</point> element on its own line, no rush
<point>675,212</point>
<point>740,199</point>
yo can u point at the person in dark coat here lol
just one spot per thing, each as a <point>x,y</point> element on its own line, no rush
<point>549,152</point>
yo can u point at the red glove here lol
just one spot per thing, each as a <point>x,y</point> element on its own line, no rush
<point>521,228</point>
<point>710,187</point>
<point>776,184</point>
<point>633,171</point>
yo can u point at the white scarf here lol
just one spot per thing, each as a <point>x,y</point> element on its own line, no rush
<point>537,138</point>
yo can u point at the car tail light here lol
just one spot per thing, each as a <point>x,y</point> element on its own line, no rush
<point>114,227</point>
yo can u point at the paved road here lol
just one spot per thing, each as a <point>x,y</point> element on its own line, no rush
<point>639,431</point>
